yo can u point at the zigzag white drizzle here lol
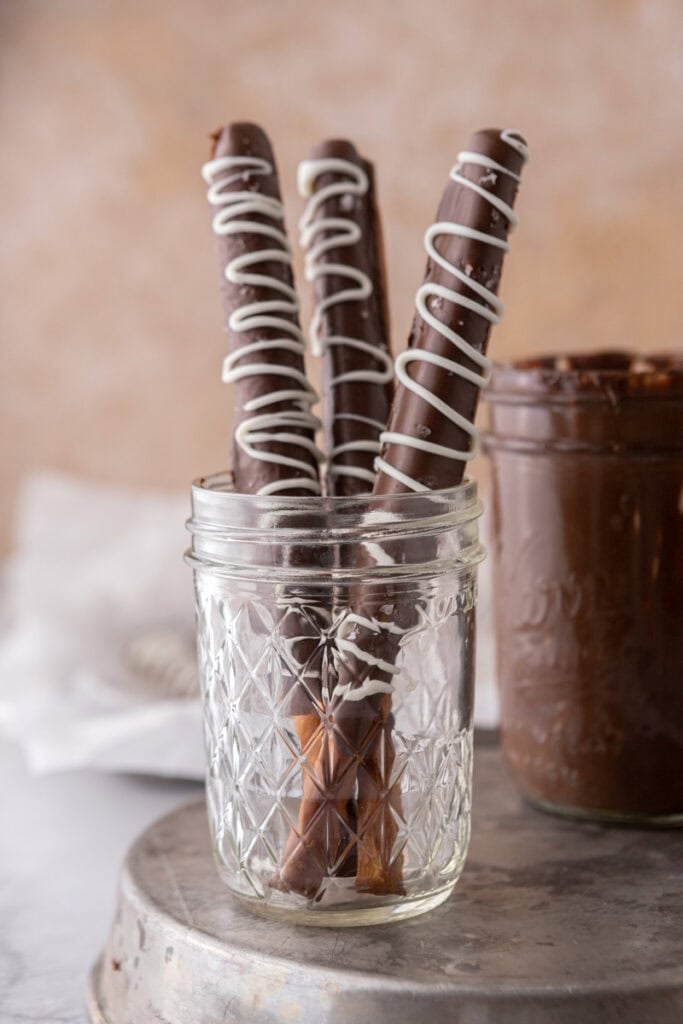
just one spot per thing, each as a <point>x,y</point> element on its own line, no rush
<point>492,312</point>
<point>370,686</point>
<point>233,217</point>
<point>480,300</point>
<point>343,231</point>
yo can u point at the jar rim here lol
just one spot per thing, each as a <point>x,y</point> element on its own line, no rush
<point>609,375</point>
<point>220,486</point>
<point>252,530</point>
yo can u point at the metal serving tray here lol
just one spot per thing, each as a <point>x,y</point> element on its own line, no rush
<point>553,922</point>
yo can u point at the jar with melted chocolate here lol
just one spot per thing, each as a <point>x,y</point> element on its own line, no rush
<point>587,459</point>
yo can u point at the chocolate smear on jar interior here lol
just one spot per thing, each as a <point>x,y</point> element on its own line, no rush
<point>586,455</point>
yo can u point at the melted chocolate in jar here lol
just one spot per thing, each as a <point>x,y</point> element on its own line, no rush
<point>587,456</point>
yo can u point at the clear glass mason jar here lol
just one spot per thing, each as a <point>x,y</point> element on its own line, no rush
<point>587,460</point>
<point>337,797</point>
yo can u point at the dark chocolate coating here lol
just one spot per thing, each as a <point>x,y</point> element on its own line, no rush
<point>250,475</point>
<point>366,320</point>
<point>410,414</point>
<point>357,723</point>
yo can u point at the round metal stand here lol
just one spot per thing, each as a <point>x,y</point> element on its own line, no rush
<point>552,922</point>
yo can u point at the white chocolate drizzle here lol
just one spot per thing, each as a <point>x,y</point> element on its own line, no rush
<point>479,299</point>
<point>235,213</point>
<point>371,685</point>
<point>319,235</point>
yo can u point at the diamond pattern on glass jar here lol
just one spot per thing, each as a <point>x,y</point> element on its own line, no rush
<point>254,687</point>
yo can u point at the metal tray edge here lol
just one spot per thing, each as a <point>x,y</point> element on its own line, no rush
<point>96,1014</point>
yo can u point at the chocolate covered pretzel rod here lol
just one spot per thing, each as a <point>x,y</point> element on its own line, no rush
<point>274,450</point>
<point>431,430</point>
<point>274,437</point>
<point>341,231</point>
<point>428,441</point>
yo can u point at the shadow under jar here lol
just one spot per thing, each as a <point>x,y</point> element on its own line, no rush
<point>280,585</point>
<point>587,460</point>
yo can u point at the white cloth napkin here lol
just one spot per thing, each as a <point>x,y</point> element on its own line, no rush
<point>97,661</point>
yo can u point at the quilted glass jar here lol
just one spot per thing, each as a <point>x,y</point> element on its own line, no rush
<point>336,657</point>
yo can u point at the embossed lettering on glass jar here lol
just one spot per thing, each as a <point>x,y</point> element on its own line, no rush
<point>278,583</point>
<point>587,458</point>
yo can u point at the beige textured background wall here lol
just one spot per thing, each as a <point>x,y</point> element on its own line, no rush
<point>110,325</point>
